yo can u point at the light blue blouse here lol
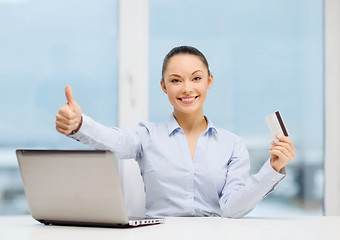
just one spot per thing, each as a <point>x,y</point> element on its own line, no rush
<point>215,182</point>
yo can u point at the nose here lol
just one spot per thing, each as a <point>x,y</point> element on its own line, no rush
<point>187,87</point>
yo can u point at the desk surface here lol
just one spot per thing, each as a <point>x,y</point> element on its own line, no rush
<point>24,227</point>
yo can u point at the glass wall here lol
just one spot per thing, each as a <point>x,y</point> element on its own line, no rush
<point>265,56</point>
<point>45,45</point>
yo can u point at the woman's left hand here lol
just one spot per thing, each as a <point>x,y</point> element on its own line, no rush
<point>281,152</point>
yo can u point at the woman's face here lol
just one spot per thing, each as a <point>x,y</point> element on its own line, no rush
<point>186,80</point>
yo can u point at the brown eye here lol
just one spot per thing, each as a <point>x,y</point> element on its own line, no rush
<point>174,81</point>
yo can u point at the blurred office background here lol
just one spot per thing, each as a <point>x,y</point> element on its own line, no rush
<point>265,56</point>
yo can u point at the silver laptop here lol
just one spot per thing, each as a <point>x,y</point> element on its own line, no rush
<point>75,187</point>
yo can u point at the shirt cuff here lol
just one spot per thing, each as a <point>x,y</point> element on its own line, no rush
<point>270,177</point>
<point>83,128</point>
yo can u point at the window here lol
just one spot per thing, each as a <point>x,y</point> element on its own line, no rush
<point>265,56</point>
<point>44,46</point>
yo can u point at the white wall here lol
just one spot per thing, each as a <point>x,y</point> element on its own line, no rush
<point>332,107</point>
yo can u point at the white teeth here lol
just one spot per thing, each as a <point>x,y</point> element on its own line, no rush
<point>187,99</point>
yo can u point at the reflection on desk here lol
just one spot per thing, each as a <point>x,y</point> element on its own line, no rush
<point>26,228</point>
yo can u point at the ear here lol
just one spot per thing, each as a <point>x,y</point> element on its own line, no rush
<point>163,87</point>
<point>210,80</point>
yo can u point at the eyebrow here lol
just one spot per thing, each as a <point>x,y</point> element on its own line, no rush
<point>176,75</point>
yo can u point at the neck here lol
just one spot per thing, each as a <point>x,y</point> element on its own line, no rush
<point>191,122</point>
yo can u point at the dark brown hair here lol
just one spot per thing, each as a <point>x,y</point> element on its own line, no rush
<point>184,50</point>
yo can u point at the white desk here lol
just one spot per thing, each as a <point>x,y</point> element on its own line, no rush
<point>309,228</point>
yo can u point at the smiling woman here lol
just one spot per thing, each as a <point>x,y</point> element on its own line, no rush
<point>189,166</point>
<point>260,51</point>
<point>265,56</point>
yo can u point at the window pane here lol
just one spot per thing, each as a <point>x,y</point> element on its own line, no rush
<point>44,46</point>
<point>265,56</point>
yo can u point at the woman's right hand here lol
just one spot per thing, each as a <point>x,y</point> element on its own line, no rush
<point>69,116</point>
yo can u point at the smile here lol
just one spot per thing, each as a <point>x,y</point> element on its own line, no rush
<point>187,100</point>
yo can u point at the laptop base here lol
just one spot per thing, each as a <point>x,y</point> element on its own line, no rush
<point>132,223</point>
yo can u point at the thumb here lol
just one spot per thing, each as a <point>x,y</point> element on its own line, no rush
<point>71,102</point>
<point>69,96</point>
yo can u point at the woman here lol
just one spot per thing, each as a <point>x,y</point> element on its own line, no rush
<point>189,166</point>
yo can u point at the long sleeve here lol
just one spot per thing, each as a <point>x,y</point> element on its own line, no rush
<point>176,184</point>
<point>242,192</point>
<point>124,142</point>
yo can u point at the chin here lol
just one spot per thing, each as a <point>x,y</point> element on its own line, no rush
<point>188,111</point>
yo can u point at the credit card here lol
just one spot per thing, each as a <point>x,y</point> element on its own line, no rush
<point>276,125</point>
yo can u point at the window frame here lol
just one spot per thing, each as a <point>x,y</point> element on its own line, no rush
<point>133,86</point>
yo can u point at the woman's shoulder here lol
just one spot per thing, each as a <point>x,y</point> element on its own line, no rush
<point>153,126</point>
<point>166,125</point>
<point>226,133</point>
<point>221,132</point>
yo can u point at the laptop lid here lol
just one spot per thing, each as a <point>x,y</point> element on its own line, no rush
<point>77,187</point>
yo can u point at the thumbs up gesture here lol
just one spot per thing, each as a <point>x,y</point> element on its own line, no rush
<point>69,116</point>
